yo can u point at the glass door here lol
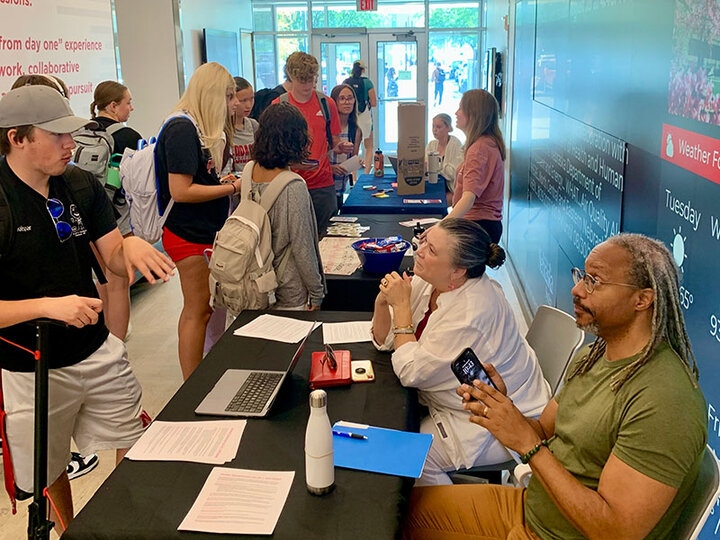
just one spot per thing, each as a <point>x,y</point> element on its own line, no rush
<point>400,64</point>
<point>336,56</point>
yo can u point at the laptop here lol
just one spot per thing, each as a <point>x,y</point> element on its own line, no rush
<point>248,392</point>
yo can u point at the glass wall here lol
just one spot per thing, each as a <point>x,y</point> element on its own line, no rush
<point>453,68</point>
<point>454,53</point>
<point>453,34</point>
<point>282,27</point>
<point>330,14</point>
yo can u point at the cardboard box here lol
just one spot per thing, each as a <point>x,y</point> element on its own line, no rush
<point>411,149</point>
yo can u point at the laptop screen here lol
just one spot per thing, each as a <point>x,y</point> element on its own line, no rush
<point>300,348</point>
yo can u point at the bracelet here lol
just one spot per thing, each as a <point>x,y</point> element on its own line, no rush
<point>409,329</point>
<point>526,458</point>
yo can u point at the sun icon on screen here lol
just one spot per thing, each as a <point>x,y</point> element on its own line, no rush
<point>678,248</point>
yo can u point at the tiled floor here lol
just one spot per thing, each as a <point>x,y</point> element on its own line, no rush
<point>152,347</point>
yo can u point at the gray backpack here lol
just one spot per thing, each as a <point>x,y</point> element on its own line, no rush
<point>241,265</point>
<point>94,150</point>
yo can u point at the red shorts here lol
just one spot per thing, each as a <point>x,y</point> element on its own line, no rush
<point>178,249</point>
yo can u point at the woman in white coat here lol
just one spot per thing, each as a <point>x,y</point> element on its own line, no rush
<point>429,319</point>
<point>449,148</point>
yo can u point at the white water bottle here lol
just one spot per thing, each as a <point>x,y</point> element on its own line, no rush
<point>319,455</point>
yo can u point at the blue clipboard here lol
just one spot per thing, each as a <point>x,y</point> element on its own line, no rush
<point>385,451</point>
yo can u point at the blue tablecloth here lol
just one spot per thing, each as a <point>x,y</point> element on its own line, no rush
<point>361,201</point>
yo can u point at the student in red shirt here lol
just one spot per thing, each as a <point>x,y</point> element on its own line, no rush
<point>480,178</point>
<point>302,72</point>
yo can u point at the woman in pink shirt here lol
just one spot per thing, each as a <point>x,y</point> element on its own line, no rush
<point>480,178</point>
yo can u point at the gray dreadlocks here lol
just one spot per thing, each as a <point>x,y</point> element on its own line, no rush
<point>651,266</point>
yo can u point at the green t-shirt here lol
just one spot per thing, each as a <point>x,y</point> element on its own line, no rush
<point>656,424</point>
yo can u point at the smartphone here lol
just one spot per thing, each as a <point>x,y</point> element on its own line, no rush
<point>468,368</point>
<point>362,371</point>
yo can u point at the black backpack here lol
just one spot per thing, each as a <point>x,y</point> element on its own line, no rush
<point>263,99</point>
<point>358,86</point>
<point>285,98</point>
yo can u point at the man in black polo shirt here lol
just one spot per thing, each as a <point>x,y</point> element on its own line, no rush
<point>49,216</point>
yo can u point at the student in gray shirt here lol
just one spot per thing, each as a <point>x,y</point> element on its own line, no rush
<point>281,140</point>
<point>244,126</point>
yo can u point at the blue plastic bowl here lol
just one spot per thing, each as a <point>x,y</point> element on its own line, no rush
<point>380,263</point>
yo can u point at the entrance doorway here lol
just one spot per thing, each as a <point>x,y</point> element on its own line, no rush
<point>396,64</point>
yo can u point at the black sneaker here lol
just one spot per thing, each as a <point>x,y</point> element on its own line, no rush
<point>80,465</point>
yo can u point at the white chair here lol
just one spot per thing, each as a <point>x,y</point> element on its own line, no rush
<point>555,339</point>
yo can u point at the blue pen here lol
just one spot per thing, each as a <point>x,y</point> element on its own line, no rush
<point>349,435</point>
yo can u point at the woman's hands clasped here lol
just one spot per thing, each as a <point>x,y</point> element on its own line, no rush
<point>396,289</point>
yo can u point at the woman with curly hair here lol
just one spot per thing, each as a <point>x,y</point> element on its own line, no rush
<point>281,141</point>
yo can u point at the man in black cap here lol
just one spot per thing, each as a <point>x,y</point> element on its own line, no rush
<point>50,215</point>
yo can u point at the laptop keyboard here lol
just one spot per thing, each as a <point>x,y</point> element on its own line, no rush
<point>254,393</point>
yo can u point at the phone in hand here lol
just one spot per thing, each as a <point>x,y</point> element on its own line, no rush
<point>468,368</point>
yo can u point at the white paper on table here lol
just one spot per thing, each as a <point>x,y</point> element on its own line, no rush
<point>337,257</point>
<point>351,165</point>
<point>422,221</point>
<point>347,332</point>
<point>213,441</point>
<point>239,501</point>
<point>274,328</point>
<point>344,219</point>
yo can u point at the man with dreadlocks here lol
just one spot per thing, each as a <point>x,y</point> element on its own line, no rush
<point>617,452</point>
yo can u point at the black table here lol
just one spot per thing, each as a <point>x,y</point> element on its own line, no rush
<point>361,201</point>
<point>149,499</point>
<point>357,291</point>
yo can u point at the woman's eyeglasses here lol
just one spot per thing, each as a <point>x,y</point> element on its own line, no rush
<point>343,99</point>
<point>55,208</point>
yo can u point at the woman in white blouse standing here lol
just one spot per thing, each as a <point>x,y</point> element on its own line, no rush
<point>429,319</point>
<point>450,149</point>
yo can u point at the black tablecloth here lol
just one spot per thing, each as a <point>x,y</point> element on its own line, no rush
<point>357,291</point>
<point>361,201</point>
<point>148,500</point>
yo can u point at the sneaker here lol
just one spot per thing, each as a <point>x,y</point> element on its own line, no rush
<point>80,465</point>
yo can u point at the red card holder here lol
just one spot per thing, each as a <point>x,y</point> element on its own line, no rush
<point>322,376</point>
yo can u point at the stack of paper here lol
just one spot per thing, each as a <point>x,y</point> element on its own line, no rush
<point>214,441</point>
<point>338,258</point>
<point>239,501</point>
<point>346,332</point>
<point>344,219</point>
<point>276,328</point>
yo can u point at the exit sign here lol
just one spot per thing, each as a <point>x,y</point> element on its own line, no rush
<point>367,5</point>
